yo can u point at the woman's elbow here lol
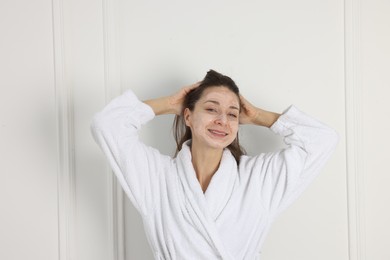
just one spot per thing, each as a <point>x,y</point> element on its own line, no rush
<point>97,123</point>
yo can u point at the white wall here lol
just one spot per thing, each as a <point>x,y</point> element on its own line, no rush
<point>61,61</point>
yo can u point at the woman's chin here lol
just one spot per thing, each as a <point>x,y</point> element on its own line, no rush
<point>219,143</point>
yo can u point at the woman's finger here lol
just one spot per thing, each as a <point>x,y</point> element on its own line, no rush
<point>191,87</point>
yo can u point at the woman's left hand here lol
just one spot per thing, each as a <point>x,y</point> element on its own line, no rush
<point>248,112</point>
<point>253,115</point>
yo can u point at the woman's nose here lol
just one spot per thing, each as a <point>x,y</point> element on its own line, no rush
<point>221,119</point>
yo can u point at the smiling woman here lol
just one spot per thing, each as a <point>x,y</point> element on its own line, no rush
<point>210,201</point>
<point>219,99</point>
<point>213,123</point>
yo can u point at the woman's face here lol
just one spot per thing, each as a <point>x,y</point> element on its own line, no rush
<point>214,120</point>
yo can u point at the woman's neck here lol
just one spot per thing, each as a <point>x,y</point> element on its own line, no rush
<point>206,162</point>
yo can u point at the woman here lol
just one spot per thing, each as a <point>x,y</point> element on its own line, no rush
<point>211,201</point>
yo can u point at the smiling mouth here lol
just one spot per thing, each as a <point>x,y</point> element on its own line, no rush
<point>218,133</point>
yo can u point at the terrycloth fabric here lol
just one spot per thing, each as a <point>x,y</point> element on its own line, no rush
<point>231,219</point>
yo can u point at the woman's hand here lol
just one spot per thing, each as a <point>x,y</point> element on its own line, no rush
<point>248,112</point>
<point>176,100</point>
<point>253,115</point>
<point>170,104</point>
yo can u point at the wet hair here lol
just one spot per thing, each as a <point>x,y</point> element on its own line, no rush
<point>182,132</point>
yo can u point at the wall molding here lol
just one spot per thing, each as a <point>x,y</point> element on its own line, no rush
<point>65,142</point>
<point>112,89</point>
<point>354,128</point>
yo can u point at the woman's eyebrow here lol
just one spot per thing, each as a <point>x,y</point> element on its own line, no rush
<point>217,103</point>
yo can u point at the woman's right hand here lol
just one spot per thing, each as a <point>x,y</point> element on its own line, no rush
<point>176,100</point>
<point>171,104</point>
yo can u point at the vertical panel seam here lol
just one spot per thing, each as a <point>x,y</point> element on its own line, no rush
<point>354,135</point>
<point>65,139</point>
<point>112,89</point>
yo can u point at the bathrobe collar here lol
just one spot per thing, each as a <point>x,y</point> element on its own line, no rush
<point>220,187</point>
<point>209,205</point>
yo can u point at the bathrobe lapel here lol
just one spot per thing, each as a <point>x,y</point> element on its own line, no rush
<point>221,185</point>
<point>210,205</point>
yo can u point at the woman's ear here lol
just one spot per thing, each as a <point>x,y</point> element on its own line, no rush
<point>187,116</point>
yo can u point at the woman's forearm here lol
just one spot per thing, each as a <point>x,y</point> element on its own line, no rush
<point>160,106</point>
<point>251,114</point>
<point>170,104</point>
<point>265,118</point>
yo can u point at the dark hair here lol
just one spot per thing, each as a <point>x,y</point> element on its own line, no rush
<point>182,132</point>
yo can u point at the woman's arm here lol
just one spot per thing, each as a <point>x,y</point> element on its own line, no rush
<point>282,176</point>
<point>170,104</point>
<point>137,166</point>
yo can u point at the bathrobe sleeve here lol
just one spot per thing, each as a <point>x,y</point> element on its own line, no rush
<point>285,174</point>
<point>137,166</point>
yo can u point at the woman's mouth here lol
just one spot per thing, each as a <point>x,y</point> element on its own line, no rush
<point>218,133</point>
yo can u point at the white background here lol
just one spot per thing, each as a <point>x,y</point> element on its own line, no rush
<point>62,61</point>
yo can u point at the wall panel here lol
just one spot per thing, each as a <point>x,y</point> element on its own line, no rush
<point>375,81</point>
<point>84,61</point>
<point>28,139</point>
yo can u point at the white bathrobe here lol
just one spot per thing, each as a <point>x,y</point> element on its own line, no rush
<point>231,219</point>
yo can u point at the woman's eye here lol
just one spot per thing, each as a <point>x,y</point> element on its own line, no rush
<point>210,109</point>
<point>233,115</point>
